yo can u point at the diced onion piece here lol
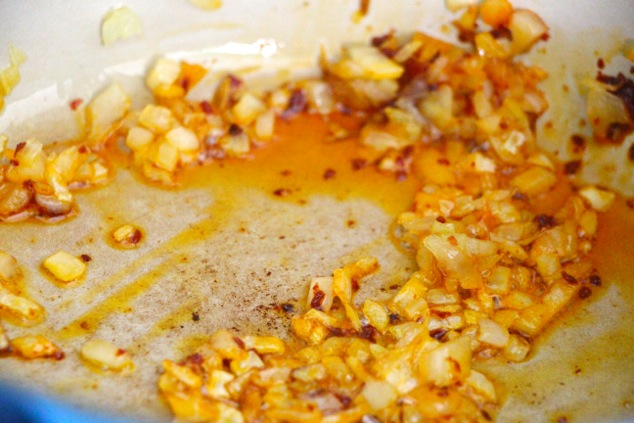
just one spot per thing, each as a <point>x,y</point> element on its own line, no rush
<point>164,73</point>
<point>534,181</point>
<point>9,268</point>
<point>599,199</point>
<point>320,294</point>
<point>16,56</point>
<point>207,4</point>
<point>526,28</point>
<point>64,266</point>
<point>488,46</point>
<point>105,355</point>
<point>38,346</point>
<point>105,110</point>
<point>31,163</point>
<point>138,138</point>
<point>496,12</point>
<point>454,261</point>
<point>606,112</point>
<point>157,119</point>
<point>377,314</point>
<point>247,109</point>
<point>235,145</point>
<point>455,5</point>
<point>490,332</point>
<point>216,382</point>
<point>517,348</point>
<point>182,138</point>
<point>264,344</point>
<point>373,63</point>
<point>165,156</point>
<point>265,126</point>
<point>448,363</point>
<point>9,79</point>
<point>127,236</point>
<point>119,24</point>
<point>482,385</point>
<point>29,311</point>
<point>379,394</point>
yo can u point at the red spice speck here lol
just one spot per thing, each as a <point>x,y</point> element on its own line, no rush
<point>281,192</point>
<point>205,106</point>
<point>569,278</point>
<point>584,292</point>
<point>318,299</point>
<point>74,104</point>
<point>358,164</point>
<point>600,63</point>
<point>572,167</point>
<point>85,258</point>
<point>329,174</point>
<point>595,280</point>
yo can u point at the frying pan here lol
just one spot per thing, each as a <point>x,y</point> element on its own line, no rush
<point>227,251</point>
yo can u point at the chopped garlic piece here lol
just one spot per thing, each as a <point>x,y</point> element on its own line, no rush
<point>119,24</point>
<point>207,4</point>
<point>105,355</point>
<point>64,266</point>
<point>599,199</point>
<point>32,347</point>
<point>127,236</point>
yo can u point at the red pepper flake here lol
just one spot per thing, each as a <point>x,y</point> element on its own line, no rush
<point>437,334</point>
<point>195,358</point>
<point>239,341</point>
<point>329,173</point>
<point>394,318</point>
<point>443,162</point>
<point>74,104</point>
<point>600,63</point>
<point>344,400</point>
<point>562,420</point>
<point>441,219</point>
<point>84,325</point>
<point>185,84</point>
<point>205,106</point>
<point>379,40</point>
<point>19,147</point>
<point>282,192</point>
<point>453,241</point>
<point>359,163</point>
<point>296,104</point>
<point>235,130</point>
<point>443,392</point>
<point>630,203</point>
<point>369,332</point>
<point>578,143</point>
<point>83,149</point>
<point>569,278</point>
<point>595,280</point>
<point>572,167</point>
<point>234,81</point>
<point>120,352</point>
<point>351,223</point>
<point>318,298</point>
<point>630,153</point>
<point>59,355</point>
<point>285,172</point>
<point>584,292</point>
<point>85,258</point>
<point>195,316</point>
